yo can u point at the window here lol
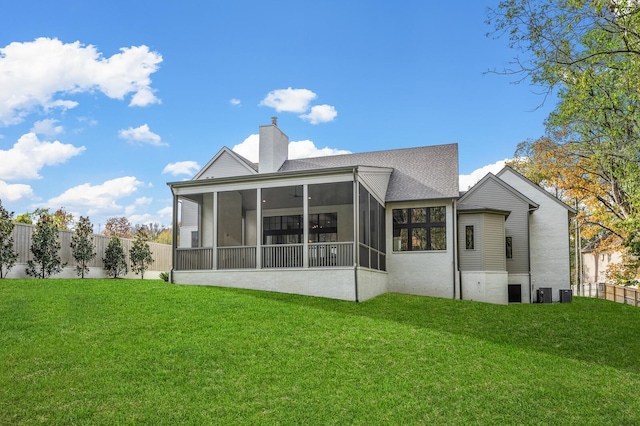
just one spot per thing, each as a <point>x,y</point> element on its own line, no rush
<point>419,229</point>
<point>469,237</point>
<point>282,229</point>
<point>323,227</point>
<point>509,247</point>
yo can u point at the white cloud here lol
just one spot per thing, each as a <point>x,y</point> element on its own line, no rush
<point>29,155</point>
<point>307,149</point>
<point>249,148</point>
<point>47,127</point>
<point>33,74</point>
<point>144,97</point>
<point>166,213</point>
<point>467,181</point>
<point>14,192</point>
<point>320,114</point>
<point>181,168</point>
<point>163,216</point>
<point>289,100</point>
<point>139,202</point>
<point>141,135</point>
<point>235,102</point>
<point>140,219</point>
<point>98,199</point>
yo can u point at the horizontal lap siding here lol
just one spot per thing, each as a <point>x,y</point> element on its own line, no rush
<point>495,196</point>
<point>494,243</point>
<point>470,260</point>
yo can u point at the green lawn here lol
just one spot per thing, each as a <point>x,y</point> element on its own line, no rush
<point>133,351</point>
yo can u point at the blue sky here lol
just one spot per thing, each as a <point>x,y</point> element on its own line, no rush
<point>102,103</point>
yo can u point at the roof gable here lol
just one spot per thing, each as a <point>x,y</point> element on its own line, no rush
<point>490,177</point>
<point>226,163</point>
<point>511,172</point>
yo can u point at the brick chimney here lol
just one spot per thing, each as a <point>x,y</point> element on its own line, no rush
<point>273,146</point>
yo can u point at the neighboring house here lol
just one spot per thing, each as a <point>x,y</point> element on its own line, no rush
<point>596,261</point>
<point>358,225</point>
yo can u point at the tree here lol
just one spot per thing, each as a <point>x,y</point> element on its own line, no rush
<point>82,247</point>
<point>588,53</point>
<point>8,256</point>
<point>165,237</point>
<point>140,253</point>
<point>119,226</point>
<point>61,218</point>
<point>115,262</point>
<point>24,218</point>
<point>45,247</point>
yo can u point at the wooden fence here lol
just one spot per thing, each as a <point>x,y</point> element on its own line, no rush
<point>22,234</point>
<point>615,293</point>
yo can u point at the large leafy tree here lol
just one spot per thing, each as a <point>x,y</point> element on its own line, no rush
<point>587,52</point>
<point>118,226</point>
<point>115,261</point>
<point>82,247</point>
<point>140,254</point>
<point>8,256</point>
<point>45,247</point>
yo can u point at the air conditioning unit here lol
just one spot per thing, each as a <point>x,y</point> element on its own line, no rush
<point>565,295</point>
<point>544,295</point>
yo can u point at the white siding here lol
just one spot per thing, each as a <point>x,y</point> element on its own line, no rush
<point>376,182</point>
<point>225,166</point>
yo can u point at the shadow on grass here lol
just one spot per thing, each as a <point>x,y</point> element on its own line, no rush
<point>591,330</point>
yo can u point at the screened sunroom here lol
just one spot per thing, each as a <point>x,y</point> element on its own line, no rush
<point>295,222</point>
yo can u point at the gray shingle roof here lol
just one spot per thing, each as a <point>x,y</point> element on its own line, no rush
<point>422,173</point>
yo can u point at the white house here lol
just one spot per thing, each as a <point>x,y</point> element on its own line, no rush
<point>358,225</point>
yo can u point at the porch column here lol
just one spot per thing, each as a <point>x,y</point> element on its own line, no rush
<point>356,222</point>
<point>259,228</point>
<point>305,224</point>
<point>214,231</point>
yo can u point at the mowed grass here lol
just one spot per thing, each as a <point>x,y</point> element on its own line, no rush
<point>132,351</point>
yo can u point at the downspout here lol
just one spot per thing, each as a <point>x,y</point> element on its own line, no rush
<point>356,230</point>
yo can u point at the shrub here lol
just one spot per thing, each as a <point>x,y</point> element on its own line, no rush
<point>115,262</point>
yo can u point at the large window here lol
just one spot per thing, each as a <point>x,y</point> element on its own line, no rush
<point>323,227</point>
<point>419,229</point>
<point>282,229</point>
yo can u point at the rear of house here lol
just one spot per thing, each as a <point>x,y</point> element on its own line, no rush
<point>347,227</point>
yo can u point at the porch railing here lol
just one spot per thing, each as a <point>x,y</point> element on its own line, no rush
<point>330,254</point>
<point>282,256</point>
<point>273,256</point>
<point>243,257</point>
<point>194,258</point>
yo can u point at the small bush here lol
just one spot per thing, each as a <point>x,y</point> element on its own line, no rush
<point>164,276</point>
